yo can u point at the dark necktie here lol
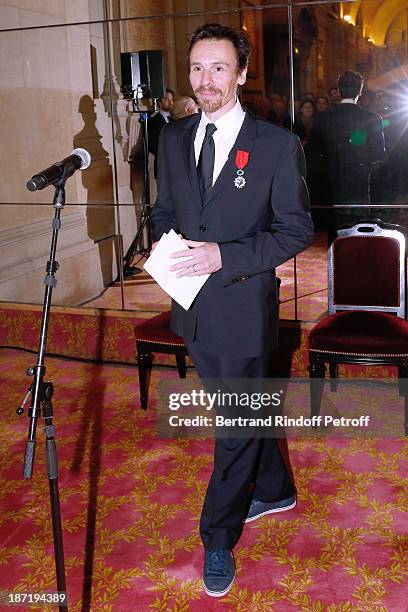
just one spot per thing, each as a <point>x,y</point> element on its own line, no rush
<point>205,166</point>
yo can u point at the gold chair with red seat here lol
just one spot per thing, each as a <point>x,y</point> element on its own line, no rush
<point>366,323</point>
<point>155,336</point>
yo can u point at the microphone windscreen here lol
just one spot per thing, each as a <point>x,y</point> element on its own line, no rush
<point>84,156</point>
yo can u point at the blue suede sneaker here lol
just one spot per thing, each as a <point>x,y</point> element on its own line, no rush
<point>219,571</point>
<point>259,508</point>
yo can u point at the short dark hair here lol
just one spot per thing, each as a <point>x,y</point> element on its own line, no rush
<point>217,31</point>
<point>350,84</point>
<point>308,101</point>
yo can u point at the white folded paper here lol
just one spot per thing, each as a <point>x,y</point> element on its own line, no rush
<point>183,289</point>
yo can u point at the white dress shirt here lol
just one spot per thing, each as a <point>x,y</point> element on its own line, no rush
<point>228,127</point>
<point>165,114</point>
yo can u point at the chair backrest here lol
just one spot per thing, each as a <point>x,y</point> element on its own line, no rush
<point>367,270</point>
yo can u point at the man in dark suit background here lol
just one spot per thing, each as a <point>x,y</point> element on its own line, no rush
<point>157,122</point>
<point>346,143</point>
<point>233,186</point>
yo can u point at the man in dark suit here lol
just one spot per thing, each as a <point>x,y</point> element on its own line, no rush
<point>157,122</point>
<point>233,186</point>
<point>346,143</point>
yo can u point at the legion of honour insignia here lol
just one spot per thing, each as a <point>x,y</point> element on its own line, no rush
<point>239,181</point>
<point>241,161</point>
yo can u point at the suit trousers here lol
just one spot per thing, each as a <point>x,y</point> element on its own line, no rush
<point>243,467</point>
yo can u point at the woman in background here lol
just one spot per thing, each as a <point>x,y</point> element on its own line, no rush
<point>304,123</point>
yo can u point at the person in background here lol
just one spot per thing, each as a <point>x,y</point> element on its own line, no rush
<point>334,96</point>
<point>322,103</point>
<point>304,123</point>
<point>309,95</point>
<point>367,98</point>
<point>389,181</point>
<point>279,112</point>
<point>157,121</point>
<point>381,102</point>
<point>345,144</point>
<point>183,107</point>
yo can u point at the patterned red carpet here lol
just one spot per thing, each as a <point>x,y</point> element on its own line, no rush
<point>131,501</point>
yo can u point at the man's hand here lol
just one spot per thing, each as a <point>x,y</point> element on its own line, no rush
<point>203,258</point>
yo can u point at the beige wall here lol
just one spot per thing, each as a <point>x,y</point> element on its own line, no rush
<point>50,101</point>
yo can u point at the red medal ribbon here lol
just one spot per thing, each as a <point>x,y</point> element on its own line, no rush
<point>241,159</point>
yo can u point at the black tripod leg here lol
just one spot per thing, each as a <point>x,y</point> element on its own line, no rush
<point>58,543</point>
<point>52,469</point>
<point>128,269</point>
<point>145,218</point>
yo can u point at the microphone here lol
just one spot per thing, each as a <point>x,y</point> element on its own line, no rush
<point>79,159</point>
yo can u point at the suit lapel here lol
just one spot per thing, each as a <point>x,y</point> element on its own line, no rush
<point>187,146</point>
<point>244,142</point>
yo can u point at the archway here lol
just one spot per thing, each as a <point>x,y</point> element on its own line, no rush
<point>384,17</point>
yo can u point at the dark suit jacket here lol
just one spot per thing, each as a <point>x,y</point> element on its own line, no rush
<point>154,127</point>
<point>257,228</point>
<point>345,143</point>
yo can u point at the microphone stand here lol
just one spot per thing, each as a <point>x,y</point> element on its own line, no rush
<point>41,393</point>
<point>128,269</point>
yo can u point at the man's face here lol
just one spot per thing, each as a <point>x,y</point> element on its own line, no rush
<point>322,104</point>
<point>334,95</point>
<point>167,102</point>
<point>307,110</point>
<point>214,76</point>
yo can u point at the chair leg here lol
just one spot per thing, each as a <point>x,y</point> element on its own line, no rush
<point>406,415</point>
<point>144,362</point>
<point>181,365</point>
<point>403,391</point>
<point>317,371</point>
<point>402,376</point>
<point>334,375</point>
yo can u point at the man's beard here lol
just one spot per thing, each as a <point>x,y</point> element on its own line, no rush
<point>209,106</point>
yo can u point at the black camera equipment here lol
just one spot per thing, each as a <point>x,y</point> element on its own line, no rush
<point>142,77</point>
<point>41,391</point>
